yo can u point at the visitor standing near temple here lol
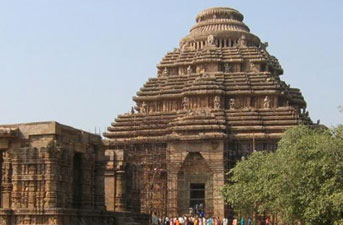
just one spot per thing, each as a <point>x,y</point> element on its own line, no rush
<point>209,221</point>
<point>242,221</point>
<point>154,219</point>
<point>177,222</point>
<point>181,220</point>
<point>225,221</point>
<point>249,221</point>
<point>197,221</point>
<point>234,221</point>
<point>166,221</point>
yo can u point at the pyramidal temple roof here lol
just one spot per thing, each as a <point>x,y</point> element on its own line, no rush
<point>220,83</point>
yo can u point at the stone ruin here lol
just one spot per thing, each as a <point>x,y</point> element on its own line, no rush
<point>53,174</point>
<point>215,99</point>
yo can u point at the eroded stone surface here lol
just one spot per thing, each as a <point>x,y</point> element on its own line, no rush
<point>215,99</point>
<point>52,174</point>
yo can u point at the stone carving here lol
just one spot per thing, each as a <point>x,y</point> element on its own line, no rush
<point>242,42</point>
<point>232,103</point>
<point>210,40</point>
<point>203,69</point>
<point>165,72</point>
<point>227,68</point>
<point>53,220</point>
<point>185,103</point>
<point>189,70</point>
<point>263,46</point>
<point>266,102</point>
<point>217,102</point>
<point>143,108</point>
<point>254,67</point>
<point>3,220</point>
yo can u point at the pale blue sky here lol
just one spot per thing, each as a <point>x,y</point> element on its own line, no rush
<point>79,62</point>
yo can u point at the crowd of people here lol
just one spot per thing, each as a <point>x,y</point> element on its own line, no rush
<point>197,220</point>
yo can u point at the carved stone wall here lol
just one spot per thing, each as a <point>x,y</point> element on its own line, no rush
<point>218,96</point>
<point>52,174</point>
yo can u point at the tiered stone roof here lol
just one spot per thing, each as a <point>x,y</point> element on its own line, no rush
<point>220,83</point>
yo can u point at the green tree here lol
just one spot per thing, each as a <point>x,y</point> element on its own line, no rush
<point>301,181</point>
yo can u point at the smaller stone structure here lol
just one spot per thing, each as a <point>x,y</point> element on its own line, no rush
<point>53,174</point>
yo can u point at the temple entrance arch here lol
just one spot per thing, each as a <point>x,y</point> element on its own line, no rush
<point>195,184</point>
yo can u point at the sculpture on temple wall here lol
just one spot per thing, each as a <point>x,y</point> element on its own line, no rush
<point>203,69</point>
<point>232,103</point>
<point>254,67</point>
<point>266,102</point>
<point>53,220</point>
<point>227,68</point>
<point>132,110</point>
<point>217,102</point>
<point>210,40</point>
<point>242,42</point>
<point>165,72</point>
<point>185,103</point>
<point>185,45</point>
<point>143,108</point>
<point>263,46</point>
<point>189,70</point>
<point>3,220</point>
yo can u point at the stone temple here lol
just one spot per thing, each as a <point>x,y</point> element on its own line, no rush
<point>216,98</point>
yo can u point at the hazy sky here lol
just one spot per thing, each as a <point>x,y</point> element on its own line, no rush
<point>79,62</point>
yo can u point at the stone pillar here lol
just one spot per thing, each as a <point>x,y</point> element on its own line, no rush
<point>6,185</point>
<point>172,194</point>
<point>110,189</point>
<point>218,202</point>
<point>120,202</point>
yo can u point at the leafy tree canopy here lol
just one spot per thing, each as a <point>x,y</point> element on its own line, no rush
<point>301,181</point>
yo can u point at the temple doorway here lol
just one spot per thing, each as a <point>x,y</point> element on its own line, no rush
<point>195,185</point>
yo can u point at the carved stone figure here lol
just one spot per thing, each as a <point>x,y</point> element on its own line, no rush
<point>266,102</point>
<point>210,40</point>
<point>189,70</point>
<point>165,72</point>
<point>242,42</point>
<point>143,108</point>
<point>263,46</point>
<point>254,67</point>
<point>232,103</point>
<point>227,68</point>
<point>185,103</point>
<point>217,102</point>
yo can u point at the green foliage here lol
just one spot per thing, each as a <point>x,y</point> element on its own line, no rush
<point>301,181</point>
